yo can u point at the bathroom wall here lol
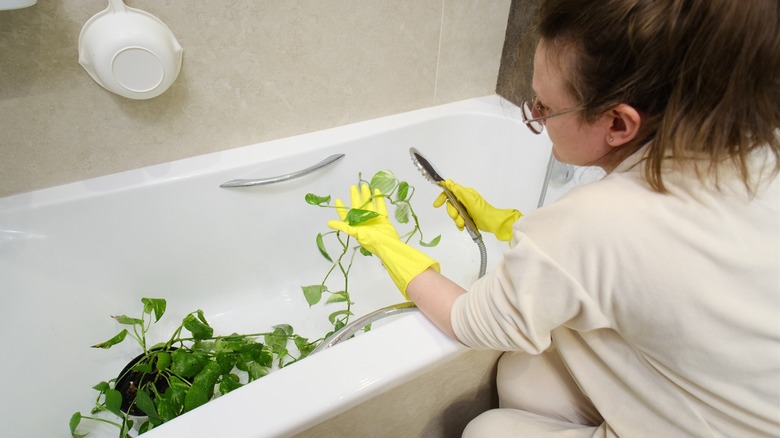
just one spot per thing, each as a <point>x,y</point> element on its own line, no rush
<point>253,71</point>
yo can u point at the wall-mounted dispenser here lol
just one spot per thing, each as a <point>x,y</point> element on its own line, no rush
<point>129,52</point>
<point>15,4</point>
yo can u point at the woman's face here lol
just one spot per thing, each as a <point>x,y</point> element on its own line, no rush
<point>574,140</point>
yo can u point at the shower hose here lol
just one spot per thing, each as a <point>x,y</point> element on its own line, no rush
<point>359,324</point>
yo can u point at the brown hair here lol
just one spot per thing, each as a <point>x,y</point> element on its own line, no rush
<point>704,74</point>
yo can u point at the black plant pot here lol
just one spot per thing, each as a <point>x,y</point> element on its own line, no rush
<point>129,381</point>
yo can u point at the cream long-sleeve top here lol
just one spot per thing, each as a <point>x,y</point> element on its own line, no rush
<point>664,307</point>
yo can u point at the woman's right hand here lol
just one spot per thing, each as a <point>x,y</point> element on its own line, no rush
<point>486,217</point>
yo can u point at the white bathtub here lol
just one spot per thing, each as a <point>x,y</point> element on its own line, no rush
<point>70,256</point>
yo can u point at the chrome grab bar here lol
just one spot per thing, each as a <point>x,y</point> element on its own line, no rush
<point>355,326</point>
<point>276,179</point>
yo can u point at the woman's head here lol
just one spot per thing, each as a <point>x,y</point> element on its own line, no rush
<point>602,140</point>
<point>703,75</point>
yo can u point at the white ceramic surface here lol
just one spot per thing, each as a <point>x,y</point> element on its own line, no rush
<point>16,4</point>
<point>72,255</point>
<point>129,52</point>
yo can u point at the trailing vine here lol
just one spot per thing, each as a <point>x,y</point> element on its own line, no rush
<point>397,193</point>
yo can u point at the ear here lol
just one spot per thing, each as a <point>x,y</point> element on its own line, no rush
<point>625,123</point>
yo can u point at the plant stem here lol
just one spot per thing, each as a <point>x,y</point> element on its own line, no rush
<point>214,338</point>
<point>102,420</point>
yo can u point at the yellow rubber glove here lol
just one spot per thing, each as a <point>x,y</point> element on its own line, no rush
<point>378,236</point>
<point>486,217</point>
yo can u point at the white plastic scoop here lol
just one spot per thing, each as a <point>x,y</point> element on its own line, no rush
<point>129,52</point>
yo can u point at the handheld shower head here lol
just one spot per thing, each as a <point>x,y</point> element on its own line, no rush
<point>425,167</point>
<point>429,172</point>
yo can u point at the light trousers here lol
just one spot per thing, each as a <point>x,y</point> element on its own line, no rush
<point>538,398</point>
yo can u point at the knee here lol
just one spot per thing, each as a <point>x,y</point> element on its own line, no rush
<point>542,385</point>
<point>483,425</point>
<point>518,378</point>
<point>498,423</point>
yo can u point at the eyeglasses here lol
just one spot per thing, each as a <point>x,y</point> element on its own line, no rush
<point>534,114</point>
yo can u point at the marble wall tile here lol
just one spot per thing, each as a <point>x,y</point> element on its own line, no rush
<point>471,43</point>
<point>252,71</point>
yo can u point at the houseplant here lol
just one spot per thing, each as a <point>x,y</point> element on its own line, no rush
<point>194,365</point>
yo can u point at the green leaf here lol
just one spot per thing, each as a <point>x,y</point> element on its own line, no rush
<point>102,387</point>
<point>204,346</point>
<point>365,252</point>
<point>321,247</point>
<point>113,341</point>
<point>145,427</point>
<point>233,344</point>
<point>145,404</point>
<point>265,358</point>
<point>167,410</point>
<point>313,293</point>
<point>284,328</point>
<point>74,423</point>
<point>202,389</point>
<point>113,402</point>
<point>198,326</point>
<point>313,199</point>
<point>226,361</point>
<point>202,317</point>
<point>300,342</point>
<point>257,371</point>
<point>338,297</point>
<point>432,243</point>
<point>228,382</point>
<point>333,316</point>
<point>178,383</point>
<point>304,346</point>
<point>142,366</point>
<point>159,346</point>
<point>338,325</point>
<point>197,396</point>
<point>171,404</point>
<point>357,216</point>
<point>156,305</point>
<point>124,319</point>
<point>187,364</point>
<point>403,191</point>
<point>402,212</point>
<point>384,180</point>
<point>243,365</point>
<point>277,341</point>
<point>163,360</point>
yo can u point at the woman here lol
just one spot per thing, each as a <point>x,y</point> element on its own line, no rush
<point>648,303</point>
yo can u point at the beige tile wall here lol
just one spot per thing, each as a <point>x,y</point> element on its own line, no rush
<point>253,70</point>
